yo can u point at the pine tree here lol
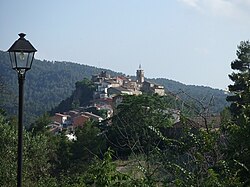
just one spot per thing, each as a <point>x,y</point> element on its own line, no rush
<point>238,130</point>
<point>240,98</point>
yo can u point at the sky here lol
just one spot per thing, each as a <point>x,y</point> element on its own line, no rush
<point>190,41</point>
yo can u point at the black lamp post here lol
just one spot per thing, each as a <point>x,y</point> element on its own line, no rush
<point>21,57</point>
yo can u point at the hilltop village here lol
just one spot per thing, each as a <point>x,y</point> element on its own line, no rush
<point>106,97</point>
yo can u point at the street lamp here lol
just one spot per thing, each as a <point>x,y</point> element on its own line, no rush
<point>21,57</point>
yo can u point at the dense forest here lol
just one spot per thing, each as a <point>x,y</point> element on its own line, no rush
<point>49,83</point>
<point>140,145</point>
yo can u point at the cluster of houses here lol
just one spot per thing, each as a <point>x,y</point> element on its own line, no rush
<point>108,87</point>
<point>71,120</point>
<point>108,95</point>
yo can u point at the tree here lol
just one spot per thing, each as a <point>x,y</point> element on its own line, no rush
<point>133,122</point>
<point>240,98</point>
<point>40,125</point>
<point>160,152</point>
<point>63,154</point>
<point>81,96</point>
<point>104,173</point>
<point>139,132</point>
<point>238,129</point>
<point>37,153</point>
<point>88,144</point>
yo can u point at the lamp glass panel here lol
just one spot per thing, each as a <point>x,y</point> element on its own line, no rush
<point>30,59</point>
<point>13,59</point>
<point>23,60</point>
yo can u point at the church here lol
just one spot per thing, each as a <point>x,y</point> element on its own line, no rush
<point>146,86</point>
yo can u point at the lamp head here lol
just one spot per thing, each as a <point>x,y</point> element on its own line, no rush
<point>21,54</point>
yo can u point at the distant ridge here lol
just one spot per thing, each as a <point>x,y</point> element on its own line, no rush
<point>48,83</point>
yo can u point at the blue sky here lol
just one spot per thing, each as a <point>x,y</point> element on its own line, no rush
<point>191,41</point>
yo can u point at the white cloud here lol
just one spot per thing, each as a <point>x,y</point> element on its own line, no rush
<point>192,3</point>
<point>221,7</point>
<point>236,9</point>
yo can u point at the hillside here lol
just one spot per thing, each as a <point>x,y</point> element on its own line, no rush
<point>194,93</point>
<point>48,83</point>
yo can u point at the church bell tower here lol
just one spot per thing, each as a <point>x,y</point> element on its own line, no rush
<point>140,75</point>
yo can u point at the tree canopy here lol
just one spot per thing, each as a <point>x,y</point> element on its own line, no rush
<point>238,129</point>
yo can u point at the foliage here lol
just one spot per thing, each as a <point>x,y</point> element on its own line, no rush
<point>40,125</point>
<point>89,144</point>
<point>167,154</point>
<point>103,173</point>
<point>130,131</point>
<point>81,96</point>
<point>238,129</point>
<point>37,152</point>
<point>240,98</point>
<point>155,156</point>
<point>63,156</point>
